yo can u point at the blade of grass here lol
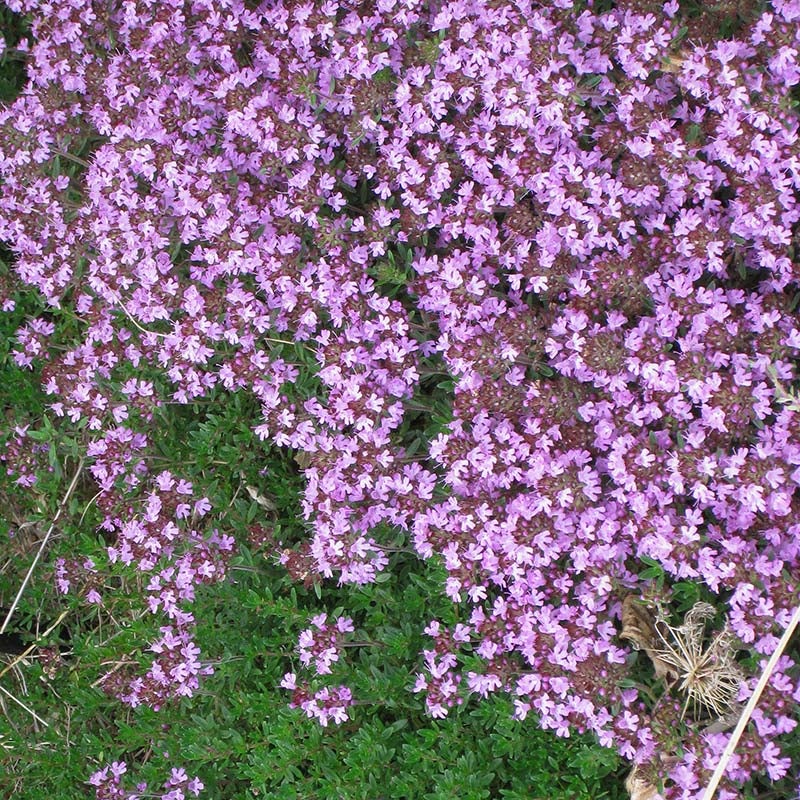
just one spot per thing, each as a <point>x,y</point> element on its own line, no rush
<point>22,656</point>
<point>20,703</point>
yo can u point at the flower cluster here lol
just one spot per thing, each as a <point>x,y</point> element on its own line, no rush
<point>325,705</point>
<point>439,681</point>
<point>320,643</point>
<point>108,785</point>
<point>174,672</point>
<point>23,458</point>
<point>177,559</point>
<point>319,648</point>
<point>71,573</point>
<point>587,219</point>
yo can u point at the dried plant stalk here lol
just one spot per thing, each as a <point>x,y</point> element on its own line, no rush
<point>750,707</point>
<point>639,629</point>
<point>640,788</point>
<point>42,546</point>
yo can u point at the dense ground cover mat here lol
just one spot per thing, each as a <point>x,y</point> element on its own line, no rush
<point>408,378</point>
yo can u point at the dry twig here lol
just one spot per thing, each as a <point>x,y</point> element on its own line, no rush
<point>750,707</point>
<point>46,539</point>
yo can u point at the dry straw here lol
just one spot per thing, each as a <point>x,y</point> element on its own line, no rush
<point>750,707</point>
<point>42,546</point>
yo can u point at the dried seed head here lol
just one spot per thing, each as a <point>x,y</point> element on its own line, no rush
<point>707,674</point>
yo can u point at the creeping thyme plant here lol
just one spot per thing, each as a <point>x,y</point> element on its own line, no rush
<point>508,288</point>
